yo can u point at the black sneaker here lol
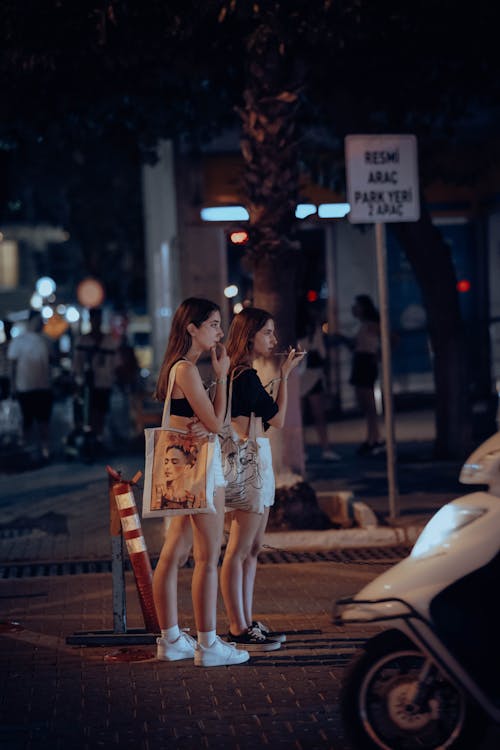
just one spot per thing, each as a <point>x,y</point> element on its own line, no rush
<point>371,449</point>
<point>364,449</point>
<point>253,640</point>
<point>270,634</point>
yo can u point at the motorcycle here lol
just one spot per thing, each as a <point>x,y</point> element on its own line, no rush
<point>430,678</point>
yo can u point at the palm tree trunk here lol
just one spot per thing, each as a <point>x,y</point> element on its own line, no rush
<point>271,181</point>
<point>426,249</point>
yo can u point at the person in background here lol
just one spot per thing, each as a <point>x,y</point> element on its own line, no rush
<point>94,363</point>
<point>365,346</point>
<point>196,329</point>
<point>5,365</point>
<point>313,380</point>
<point>127,370</point>
<point>252,335</point>
<point>127,391</point>
<point>31,380</point>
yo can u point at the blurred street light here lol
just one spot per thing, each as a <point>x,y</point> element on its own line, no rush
<point>45,286</point>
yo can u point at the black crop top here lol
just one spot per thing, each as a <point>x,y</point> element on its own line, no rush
<point>249,395</point>
<point>180,407</point>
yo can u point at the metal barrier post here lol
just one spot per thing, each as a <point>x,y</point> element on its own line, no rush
<point>117,562</point>
<point>124,521</point>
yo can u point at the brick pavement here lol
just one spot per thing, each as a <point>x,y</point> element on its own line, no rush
<point>58,695</point>
<point>55,695</point>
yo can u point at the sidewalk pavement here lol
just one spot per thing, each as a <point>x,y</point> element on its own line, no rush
<point>60,511</point>
<point>54,534</point>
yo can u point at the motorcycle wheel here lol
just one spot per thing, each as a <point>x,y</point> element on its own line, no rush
<point>377,715</point>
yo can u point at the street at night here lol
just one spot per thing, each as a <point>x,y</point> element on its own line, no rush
<point>251,246</point>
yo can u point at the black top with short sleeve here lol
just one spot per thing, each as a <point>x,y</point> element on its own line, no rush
<point>249,395</point>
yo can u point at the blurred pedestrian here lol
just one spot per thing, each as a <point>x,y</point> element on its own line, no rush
<point>251,335</point>
<point>127,390</point>
<point>94,363</point>
<point>127,370</point>
<point>196,330</point>
<point>5,365</point>
<point>31,380</point>
<point>365,346</point>
<point>313,379</point>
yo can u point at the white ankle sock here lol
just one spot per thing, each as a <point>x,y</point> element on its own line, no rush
<point>171,634</point>
<point>207,639</point>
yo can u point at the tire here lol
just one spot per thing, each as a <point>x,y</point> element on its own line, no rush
<point>374,711</point>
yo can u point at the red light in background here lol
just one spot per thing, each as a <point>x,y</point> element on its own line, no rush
<point>463,285</point>
<point>239,238</point>
<point>312,295</point>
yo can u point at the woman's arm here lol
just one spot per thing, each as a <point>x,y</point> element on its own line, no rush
<point>294,358</point>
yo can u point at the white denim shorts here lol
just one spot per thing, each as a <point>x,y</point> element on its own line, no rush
<point>267,473</point>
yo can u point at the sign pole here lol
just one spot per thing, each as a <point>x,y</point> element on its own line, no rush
<point>382,186</point>
<point>386,370</point>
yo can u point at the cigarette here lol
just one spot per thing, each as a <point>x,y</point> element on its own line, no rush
<point>285,354</point>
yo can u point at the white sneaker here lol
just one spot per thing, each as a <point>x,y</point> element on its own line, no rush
<point>182,648</point>
<point>219,654</point>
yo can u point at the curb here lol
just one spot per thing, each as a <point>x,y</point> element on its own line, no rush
<point>378,536</point>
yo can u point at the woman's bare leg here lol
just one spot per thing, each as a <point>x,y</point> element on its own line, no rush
<point>317,404</point>
<point>207,540</point>
<point>174,554</point>
<point>250,568</point>
<point>366,400</point>
<point>239,567</point>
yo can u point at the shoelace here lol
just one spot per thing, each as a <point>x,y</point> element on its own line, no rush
<point>263,628</point>
<point>256,633</point>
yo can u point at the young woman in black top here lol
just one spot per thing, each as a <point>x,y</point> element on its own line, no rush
<point>252,335</point>
<point>196,328</point>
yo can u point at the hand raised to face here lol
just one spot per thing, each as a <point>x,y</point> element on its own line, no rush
<point>295,357</point>
<point>220,360</point>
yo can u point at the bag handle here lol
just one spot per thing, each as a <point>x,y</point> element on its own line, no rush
<point>227,416</point>
<point>252,428</point>
<point>165,420</point>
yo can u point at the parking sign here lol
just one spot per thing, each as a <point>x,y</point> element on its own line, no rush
<point>382,178</point>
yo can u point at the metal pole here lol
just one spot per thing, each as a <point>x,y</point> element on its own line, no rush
<point>334,386</point>
<point>386,370</point>
<point>117,561</point>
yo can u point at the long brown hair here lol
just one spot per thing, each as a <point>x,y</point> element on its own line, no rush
<point>241,333</point>
<point>193,310</point>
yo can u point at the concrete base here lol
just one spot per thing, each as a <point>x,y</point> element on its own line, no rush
<point>344,511</point>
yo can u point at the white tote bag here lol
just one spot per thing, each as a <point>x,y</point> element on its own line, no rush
<point>241,465</point>
<point>179,476</point>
